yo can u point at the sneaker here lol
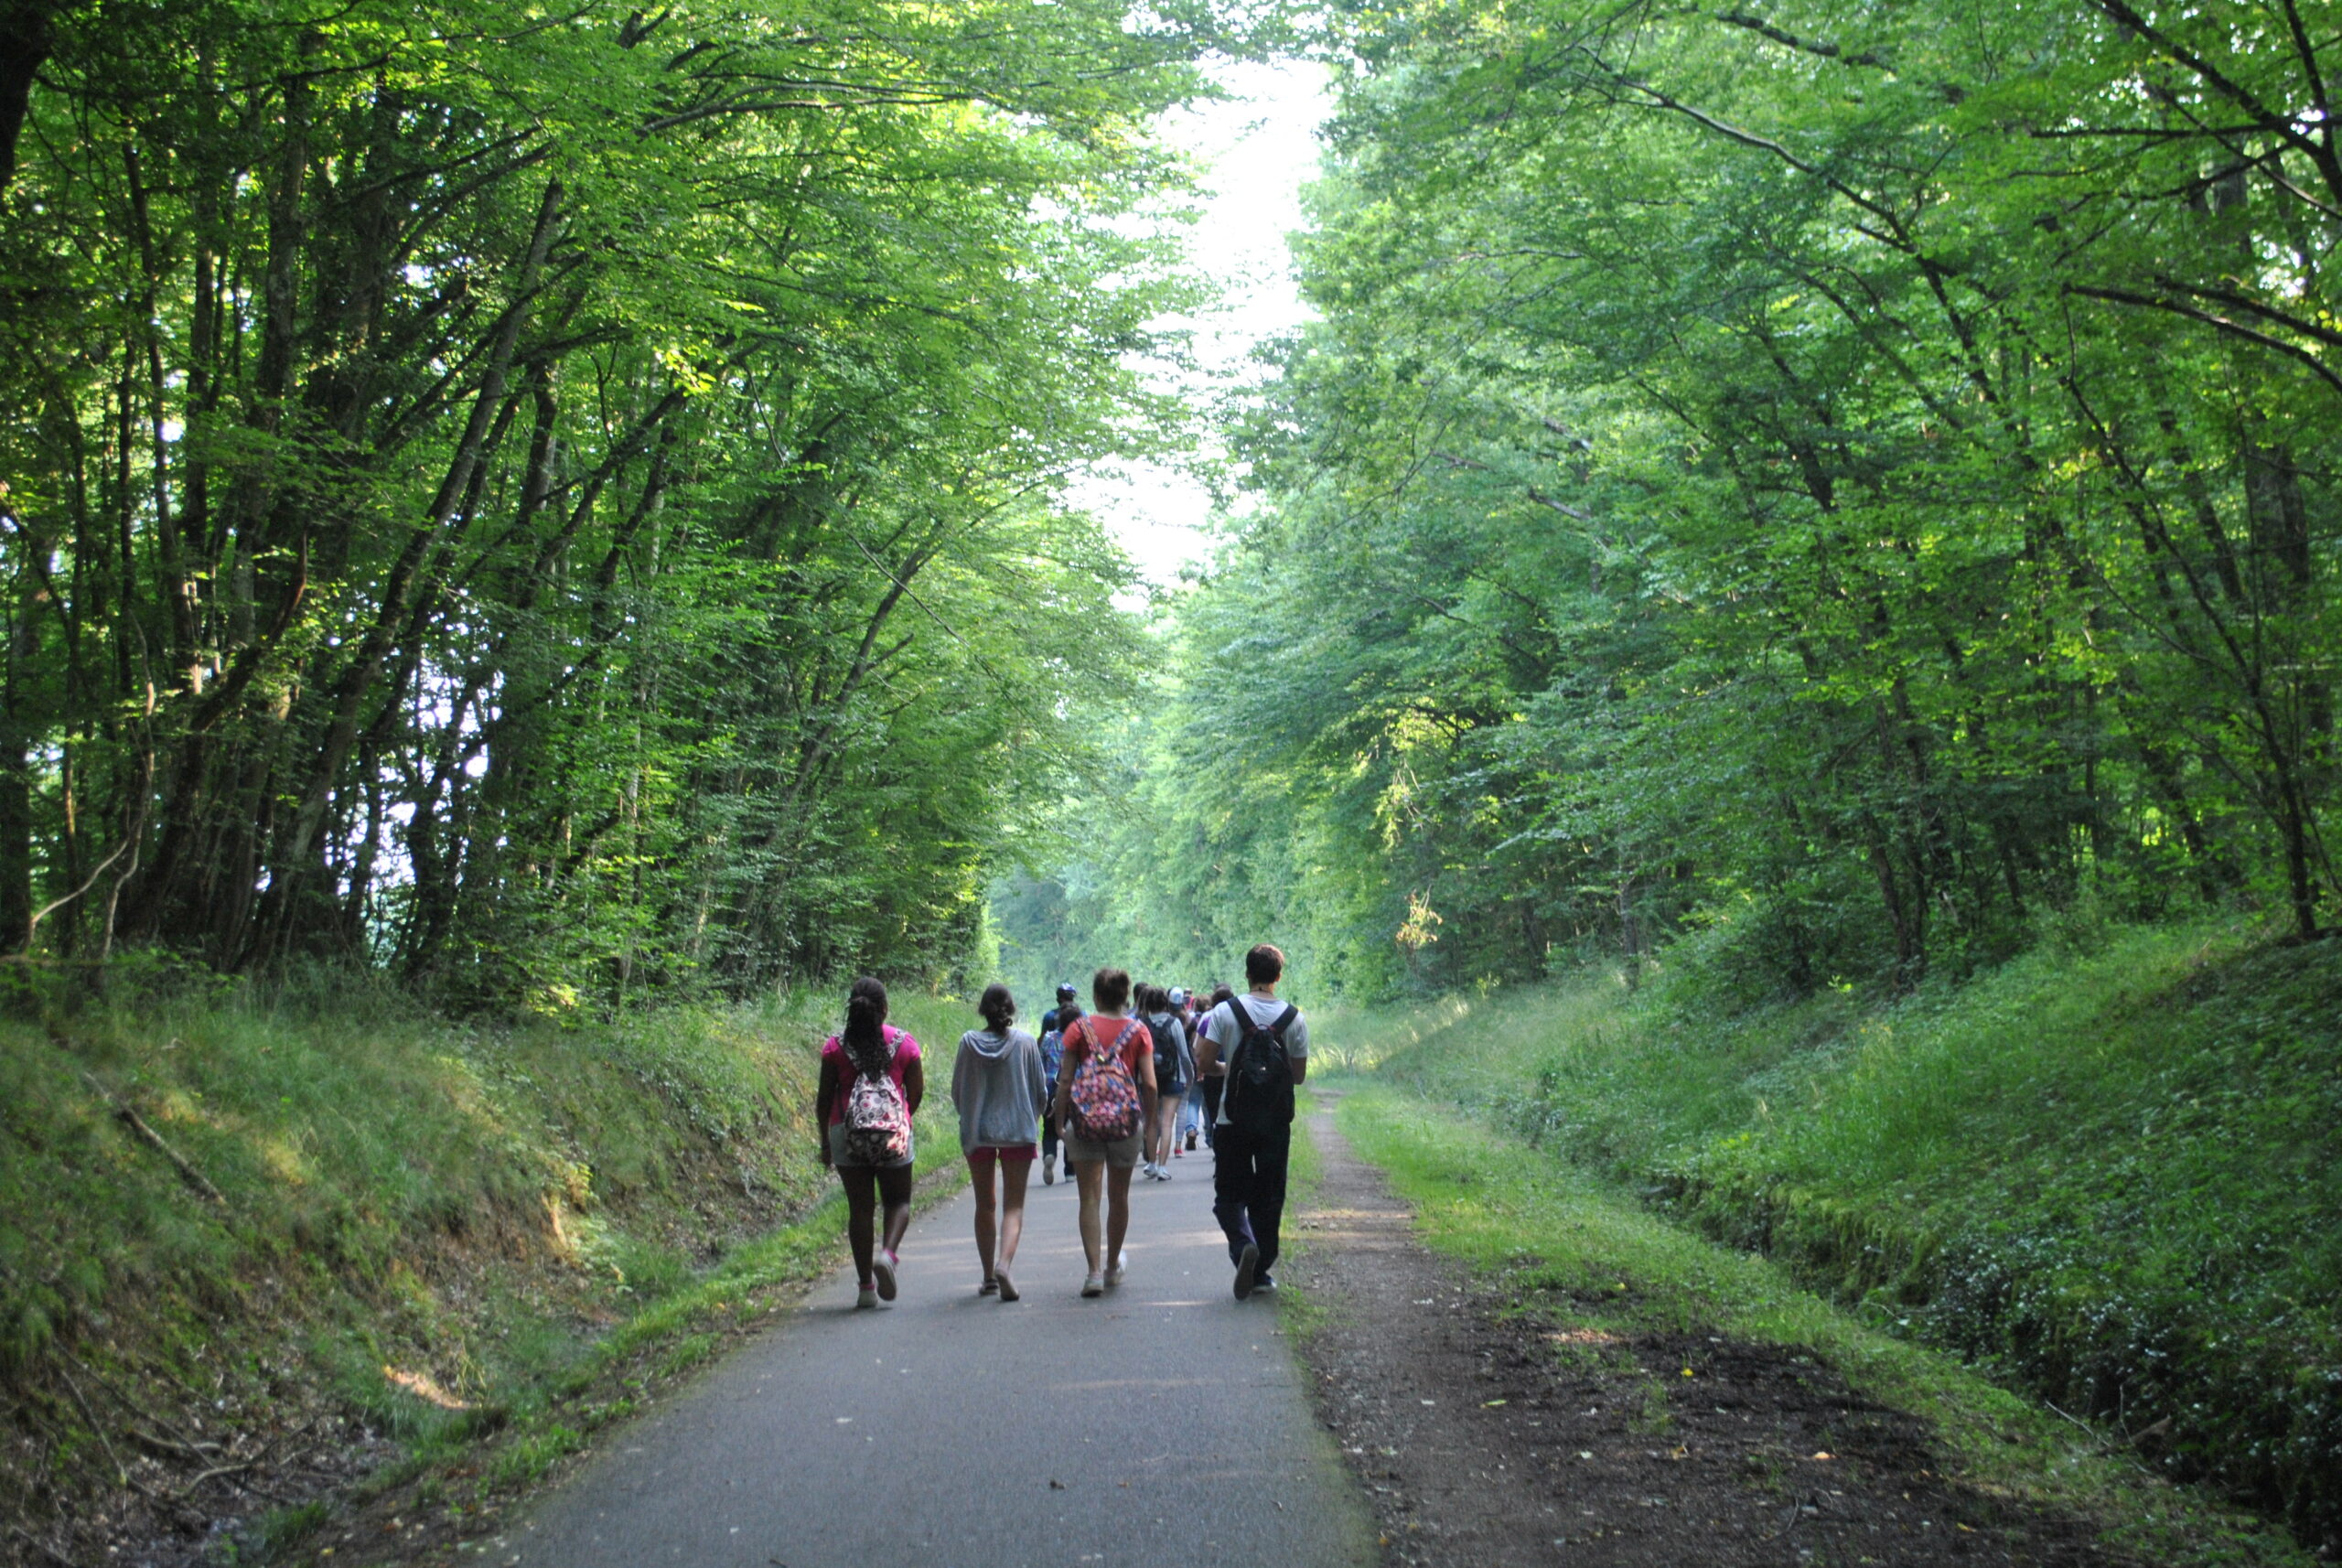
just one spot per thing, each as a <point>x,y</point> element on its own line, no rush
<point>865,1297</point>
<point>1191,1138</point>
<point>1093,1285</point>
<point>990,1286</point>
<point>1247,1261</point>
<point>1114,1273</point>
<point>884,1269</point>
<point>1263,1279</point>
<point>1050,1171</point>
<point>1007,1286</point>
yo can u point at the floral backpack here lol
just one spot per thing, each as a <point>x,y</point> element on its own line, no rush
<point>1104,1094</point>
<point>877,1122</point>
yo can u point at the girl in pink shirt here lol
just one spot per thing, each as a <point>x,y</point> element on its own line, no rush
<point>867,1045</point>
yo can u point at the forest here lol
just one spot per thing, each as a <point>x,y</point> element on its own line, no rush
<point>1843,483</point>
<point>561,503</point>
<point>574,507</point>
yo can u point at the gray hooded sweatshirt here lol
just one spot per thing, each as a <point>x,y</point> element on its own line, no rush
<point>997,1087</point>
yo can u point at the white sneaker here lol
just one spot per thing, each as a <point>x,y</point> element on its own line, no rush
<point>864,1299</point>
<point>1093,1285</point>
<point>1114,1273</point>
<point>1050,1171</point>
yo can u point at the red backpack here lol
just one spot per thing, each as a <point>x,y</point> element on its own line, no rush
<point>1104,1094</point>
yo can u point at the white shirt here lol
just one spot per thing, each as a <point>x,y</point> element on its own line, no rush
<point>1222,1030</point>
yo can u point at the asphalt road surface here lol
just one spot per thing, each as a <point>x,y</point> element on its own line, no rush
<point>1162,1421</point>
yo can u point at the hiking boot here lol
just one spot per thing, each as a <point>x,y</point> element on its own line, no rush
<point>884,1270</point>
<point>1094,1285</point>
<point>864,1297</point>
<point>1248,1260</point>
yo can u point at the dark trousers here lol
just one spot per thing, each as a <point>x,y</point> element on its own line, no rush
<point>1212,1088</point>
<point>1248,1189</point>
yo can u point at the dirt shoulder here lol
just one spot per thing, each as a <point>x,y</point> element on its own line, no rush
<point>1488,1430</point>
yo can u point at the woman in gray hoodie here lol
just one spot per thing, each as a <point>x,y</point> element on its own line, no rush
<point>997,1087</point>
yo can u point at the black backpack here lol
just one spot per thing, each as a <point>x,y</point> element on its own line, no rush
<point>1258,1098</point>
<point>1167,1047</point>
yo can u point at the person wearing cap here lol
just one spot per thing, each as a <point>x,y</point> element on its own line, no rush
<point>1054,1024</point>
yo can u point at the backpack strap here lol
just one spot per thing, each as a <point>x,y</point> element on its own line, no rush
<point>1276,1027</point>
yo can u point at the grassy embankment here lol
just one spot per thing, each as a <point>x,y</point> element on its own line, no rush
<point>383,1246</point>
<point>2107,1176</point>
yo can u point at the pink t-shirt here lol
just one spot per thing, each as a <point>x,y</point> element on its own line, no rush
<point>906,1053</point>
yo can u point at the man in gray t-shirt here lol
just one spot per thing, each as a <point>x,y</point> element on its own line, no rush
<point>1249,1158</point>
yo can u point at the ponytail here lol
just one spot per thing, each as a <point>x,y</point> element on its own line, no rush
<point>865,1035</point>
<point>998,1007</point>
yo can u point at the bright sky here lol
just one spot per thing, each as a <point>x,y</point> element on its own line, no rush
<point>1257,148</point>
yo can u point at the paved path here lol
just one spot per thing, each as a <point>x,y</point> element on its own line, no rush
<point>953,1431</point>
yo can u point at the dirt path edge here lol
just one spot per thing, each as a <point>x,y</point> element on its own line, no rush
<point>1491,1430</point>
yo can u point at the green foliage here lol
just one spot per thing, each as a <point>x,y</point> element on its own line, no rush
<point>1856,472</point>
<point>2106,1176</point>
<point>1550,1230</point>
<point>523,1215</point>
<point>559,507</point>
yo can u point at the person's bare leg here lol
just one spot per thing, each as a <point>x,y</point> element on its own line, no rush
<point>1089,1176</point>
<point>894,1186</point>
<point>1013,1176</point>
<point>1118,1212</point>
<point>861,1204</point>
<point>982,1185</point>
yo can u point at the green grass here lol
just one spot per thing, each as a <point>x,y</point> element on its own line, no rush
<point>543,1220</point>
<point>1545,1226</point>
<point>2110,1174</point>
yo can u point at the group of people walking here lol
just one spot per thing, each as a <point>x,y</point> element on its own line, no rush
<point>1115,1089</point>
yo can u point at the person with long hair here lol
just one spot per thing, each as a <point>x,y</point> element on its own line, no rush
<point>997,1086</point>
<point>1105,1100</point>
<point>1173,1068</point>
<point>1211,1072</point>
<point>871,1087</point>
